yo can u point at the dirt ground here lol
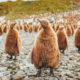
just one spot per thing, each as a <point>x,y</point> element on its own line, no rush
<point>22,69</point>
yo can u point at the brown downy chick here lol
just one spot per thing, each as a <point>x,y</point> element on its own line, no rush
<point>45,52</point>
<point>35,27</point>
<point>21,27</point>
<point>1,29</point>
<point>62,39</point>
<point>13,42</point>
<point>5,28</point>
<point>26,27</point>
<point>68,30</point>
<point>77,39</point>
<point>39,28</point>
<point>72,28</point>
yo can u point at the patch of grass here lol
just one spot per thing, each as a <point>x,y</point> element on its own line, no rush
<point>19,9</point>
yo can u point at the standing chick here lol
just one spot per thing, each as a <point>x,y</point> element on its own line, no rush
<point>1,29</point>
<point>13,42</point>
<point>77,38</point>
<point>26,27</point>
<point>5,28</point>
<point>45,52</point>
<point>19,25</point>
<point>72,29</point>
<point>68,30</point>
<point>35,27</point>
<point>30,29</point>
<point>62,39</point>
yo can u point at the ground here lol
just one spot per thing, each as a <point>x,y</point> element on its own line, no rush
<point>22,69</point>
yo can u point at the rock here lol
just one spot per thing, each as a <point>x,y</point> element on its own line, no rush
<point>71,58</point>
<point>0,63</point>
<point>70,75</point>
<point>77,70</point>
<point>13,66</point>
<point>18,77</point>
<point>34,78</point>
<point>0,79</point>
<point>78,78</point>
<point>6,77</point>
<point>0,55</point>
<point>78,60</point>
<point>1,74</point>
<point>69,79</point>
<point>62,78</point>
<point>51,78</point>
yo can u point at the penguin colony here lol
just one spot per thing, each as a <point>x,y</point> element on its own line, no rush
<point>50,41</point>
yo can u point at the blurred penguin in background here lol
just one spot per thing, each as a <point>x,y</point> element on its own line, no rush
<point>1,29</point>
<point>62,39</point>
<point>77,39</point>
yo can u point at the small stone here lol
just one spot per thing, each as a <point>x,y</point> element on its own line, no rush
<point>6,77</point>
<point>33,78</point>
<point>78,60</point>
<point>0,63</point>
<point>0,79</point>
<point>18,77</point>
<point>51,78</point>
<point>0,55</point>
<point>1,74</point>
<point>69,79</point>
<point>77,70</point>
<point>78,78</point>
<point>70,75</point>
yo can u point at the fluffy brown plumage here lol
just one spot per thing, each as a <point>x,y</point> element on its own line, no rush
<point>13,42</point>
<point>26,27</point>
<point>75,25</point>
<point>1,29</point>
<point>30,29</point>
<point>21,27</point>
<point>57,27</point>
<point>77,39</point>
<point>62,39</point>
<point>5,28</point>
<point>45,52</point>
<point>72,28</point>
<point>39,28</point>
<point>68,30</point>
<point>54,27</point>
<point>17,27</point>
<point>35,27</point>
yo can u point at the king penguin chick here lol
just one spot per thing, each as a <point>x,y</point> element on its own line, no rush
<point>45,52</point>
<point>62,39</point>
<point>77,38</point>
<point>13,42</point>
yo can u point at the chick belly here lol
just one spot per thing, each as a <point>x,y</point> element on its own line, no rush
<point>62,45</point>
<point>47,60</point>
<point>77,43</point>
<point>11,49</point>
